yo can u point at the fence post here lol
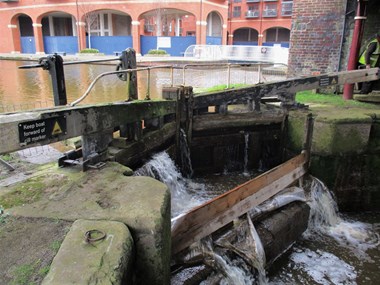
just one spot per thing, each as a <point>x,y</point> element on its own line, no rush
<point>128,61</point>
<point>229,75</point>
<point>54,64</point>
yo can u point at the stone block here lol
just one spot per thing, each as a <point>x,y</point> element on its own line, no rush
<point>141,203</point>
<point>82,261</point>
<point>340,137</point>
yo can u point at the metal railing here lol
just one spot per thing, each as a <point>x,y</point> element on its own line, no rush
<point>210,74</point>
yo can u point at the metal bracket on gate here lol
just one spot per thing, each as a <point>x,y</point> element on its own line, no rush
<point>75,158</point>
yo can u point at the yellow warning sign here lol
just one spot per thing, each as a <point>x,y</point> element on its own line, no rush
<point>56,129</point>
<point>334,81</point>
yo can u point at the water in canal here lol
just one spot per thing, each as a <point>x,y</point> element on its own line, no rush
<point>336,248</point>
<point>31,88</point>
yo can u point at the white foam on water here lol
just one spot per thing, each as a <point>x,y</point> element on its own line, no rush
<point>356,236</point>
<point>323,267</point>
<point>185,194</point>
<point>234,272</point>
<point>315,267</point>
<point>324,219</point>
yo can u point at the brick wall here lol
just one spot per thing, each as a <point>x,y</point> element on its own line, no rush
<point>316,37</point>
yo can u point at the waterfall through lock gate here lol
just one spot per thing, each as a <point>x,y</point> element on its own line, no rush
<point>333,250</point>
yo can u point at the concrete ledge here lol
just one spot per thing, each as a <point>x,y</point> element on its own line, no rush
<point>106,261</point>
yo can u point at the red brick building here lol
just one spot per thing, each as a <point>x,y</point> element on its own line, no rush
<point>48,26</point>
<point>321,33</point>
<point>258,22</point>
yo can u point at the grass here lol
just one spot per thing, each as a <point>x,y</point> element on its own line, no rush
<point>6,157</point>
<point>23,273</point>
<point>307,97</point>
<point>220,87</point>
<point>22,194</point>
<point>55,245</point>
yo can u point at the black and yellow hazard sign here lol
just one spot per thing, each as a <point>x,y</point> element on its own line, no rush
<point>40,130</point>
<point>328,80</point>
<point>56,129</point>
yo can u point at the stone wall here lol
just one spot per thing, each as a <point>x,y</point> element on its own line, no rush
<point>345,155</point>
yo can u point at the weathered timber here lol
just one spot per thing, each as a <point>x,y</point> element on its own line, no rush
<point>277,231</point>
<point>78,121</point>
<point>240,120</point>
<point>218,212</point>
<point>229,139</point>
<point>131,152</point>
<point>286,88</point>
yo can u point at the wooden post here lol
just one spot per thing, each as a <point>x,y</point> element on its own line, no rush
<point>128,61</point>
<point>184,118</point>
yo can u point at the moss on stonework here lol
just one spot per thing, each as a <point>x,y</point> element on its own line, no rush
<point>47,176</point>
<point>296,130</point>
<point>25,193</point>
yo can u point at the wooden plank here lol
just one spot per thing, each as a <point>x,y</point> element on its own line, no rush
<point>80,120</point>
<point>218,121</point>
<point>218,212</point>
<point>284,88</point>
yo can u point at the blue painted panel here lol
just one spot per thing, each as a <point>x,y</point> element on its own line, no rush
<point>68,44</point>
<point>178,44</point>
<point>147,43</point>
<point>213,40</point>
<point>110,44</point>
<point>238,43</point>
<point>28,45</point>
<point>270,44</point>
<point>285,45</point>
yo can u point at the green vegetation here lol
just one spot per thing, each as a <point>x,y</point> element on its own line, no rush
<point>219,88</point>
<point>306,97</point>
<point>157,52</point>
<point>23,193</point>
<point>6,157</point>
<point>55,245</point>
<point>23,273</point>
<point>26,273</point>
<point>89,50</point>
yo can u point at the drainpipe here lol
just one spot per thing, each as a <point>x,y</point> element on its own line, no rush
<point>355,46</point>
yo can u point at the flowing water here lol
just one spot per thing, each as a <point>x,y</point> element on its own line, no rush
<point>336,249</point>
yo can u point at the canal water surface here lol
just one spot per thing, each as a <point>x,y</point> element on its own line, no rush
<point>22,89</point>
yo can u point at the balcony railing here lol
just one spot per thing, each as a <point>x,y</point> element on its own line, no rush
<point>252,14</point>
<point>270,13</point>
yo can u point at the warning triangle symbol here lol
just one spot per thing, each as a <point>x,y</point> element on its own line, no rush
<point>333,81</point>
<point>56,129</point>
